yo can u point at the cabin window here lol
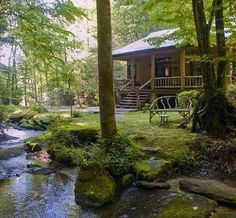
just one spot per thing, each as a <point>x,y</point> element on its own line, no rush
<point>129,72</point>
<point>163,67</point>
<point>195,68</point>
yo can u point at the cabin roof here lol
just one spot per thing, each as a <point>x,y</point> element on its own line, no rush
<point>142,45</point>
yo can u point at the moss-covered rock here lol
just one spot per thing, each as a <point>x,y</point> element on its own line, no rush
<point>42,119</point>
<point>94,187</point>
<point>28,124</point>
<point>213,189</point>
<point>37,122</point>
<point>151,170</point>
<point>19,115</point>
<point>72,135</point>
<point>162,204</point>
<point>187,206</point>
<point>225,214</point>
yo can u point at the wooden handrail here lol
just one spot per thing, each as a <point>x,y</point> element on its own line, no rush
<point>126,85</point>
<point>149,81</point>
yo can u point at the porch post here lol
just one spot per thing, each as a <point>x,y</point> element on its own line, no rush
<point>132,73</point>
<point>152,71</point>
<point>182,68</point>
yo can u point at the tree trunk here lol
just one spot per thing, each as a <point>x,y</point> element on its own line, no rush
<point>221,47</point>
<point>105,69</point>
<point>25,84</point>
<point>9,78</point>
<point>212,115</point>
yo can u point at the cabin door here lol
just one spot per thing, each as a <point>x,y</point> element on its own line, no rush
<point>129,73</point>
<point>163,67</point>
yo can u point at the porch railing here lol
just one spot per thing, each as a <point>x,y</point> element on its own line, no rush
<point>193,81</point>
<point>167,82</point>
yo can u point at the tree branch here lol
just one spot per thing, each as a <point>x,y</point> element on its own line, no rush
<point>212,15</point>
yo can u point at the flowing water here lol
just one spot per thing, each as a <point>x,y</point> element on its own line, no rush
<point>26,195</point>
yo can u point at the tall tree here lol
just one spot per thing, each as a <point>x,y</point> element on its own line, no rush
<point>215,114</point>
<point>106,91</point>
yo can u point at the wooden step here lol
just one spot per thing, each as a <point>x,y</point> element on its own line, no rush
<point>130,100</point>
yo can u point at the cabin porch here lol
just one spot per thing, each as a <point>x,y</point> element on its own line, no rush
<point>166,72</point>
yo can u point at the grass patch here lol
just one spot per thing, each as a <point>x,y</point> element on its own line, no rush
<point>170,141</point>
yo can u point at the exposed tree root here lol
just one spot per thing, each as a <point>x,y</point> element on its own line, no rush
<point>217,118</point>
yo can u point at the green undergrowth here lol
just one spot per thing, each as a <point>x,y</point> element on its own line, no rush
<point>76,141</point>
<point>216,154</point>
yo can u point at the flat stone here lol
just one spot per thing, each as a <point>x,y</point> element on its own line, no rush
<point>139,203</point>
<point>43,171</point>
<point>152,185</point>
<point>213,189</point>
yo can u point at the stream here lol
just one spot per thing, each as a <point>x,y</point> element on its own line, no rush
<point>24,195</point>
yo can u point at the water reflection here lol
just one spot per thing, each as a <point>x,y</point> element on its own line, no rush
<point>39,196</point>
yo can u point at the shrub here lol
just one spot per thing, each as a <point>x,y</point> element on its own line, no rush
<point>146,107</point>
<point>184,163</point>
<point>120,155</point>
<point>218,154</point>
<point>231,94</point>
<point>68,155</point>
<point>76,114</point>
<point>192,94</point>
<point>38,108</point>
<point>71,135</point>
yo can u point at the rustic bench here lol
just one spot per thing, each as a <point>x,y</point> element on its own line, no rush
<point>165,104</point>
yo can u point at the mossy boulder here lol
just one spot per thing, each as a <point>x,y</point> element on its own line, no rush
<point>29,124</point>
<point>76,136</point>
<point>213,189</point>
<point>162,204</point>
<point>94,187</point>
<point>41,119</point>
<point>151,170</point>
<point>224,214</point>
<point>19,115</point>
<point>38,123</point>
<point>187,206</point>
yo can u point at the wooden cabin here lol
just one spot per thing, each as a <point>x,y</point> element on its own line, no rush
<point>163,70</point>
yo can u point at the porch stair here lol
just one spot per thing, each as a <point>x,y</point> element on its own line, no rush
<point>130,101</point>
